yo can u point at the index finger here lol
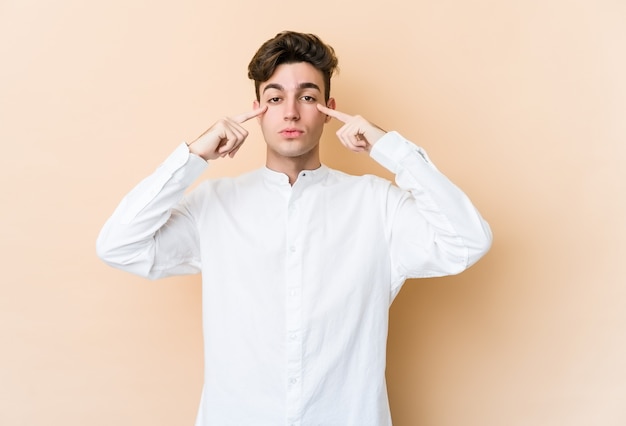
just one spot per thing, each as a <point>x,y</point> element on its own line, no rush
<point>242,118</point>
<point>341,116</point>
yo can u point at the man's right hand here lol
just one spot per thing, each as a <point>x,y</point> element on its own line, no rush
<point>224,137</point>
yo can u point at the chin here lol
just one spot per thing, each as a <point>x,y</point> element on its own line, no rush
<point>292,150</point>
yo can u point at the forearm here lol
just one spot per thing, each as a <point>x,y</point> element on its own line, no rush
<point>127,240</point>
<point>459,232</point>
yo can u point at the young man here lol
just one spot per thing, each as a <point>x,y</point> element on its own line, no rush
<point>299,262</point>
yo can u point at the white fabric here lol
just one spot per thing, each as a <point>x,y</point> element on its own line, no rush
<point>297,280</point>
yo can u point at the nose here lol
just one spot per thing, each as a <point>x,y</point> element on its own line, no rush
<point>291,110</point>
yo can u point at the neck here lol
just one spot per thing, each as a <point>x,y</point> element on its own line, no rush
<point>292,166</point>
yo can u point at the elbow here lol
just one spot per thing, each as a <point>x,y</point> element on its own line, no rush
<point>109,254</point>
<point>121,257</point>
<point>103,249</point>
<point>481,245</point>
<point>106,250</point>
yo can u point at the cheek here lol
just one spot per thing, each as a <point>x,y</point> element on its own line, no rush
<point>313,114</point>
<point>320,118</point>
<point>269,116</point>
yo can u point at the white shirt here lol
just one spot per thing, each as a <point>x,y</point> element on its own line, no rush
<point>296,280</point>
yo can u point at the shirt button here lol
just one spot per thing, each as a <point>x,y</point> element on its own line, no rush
<point>293,381</point>
<point>292,249</point>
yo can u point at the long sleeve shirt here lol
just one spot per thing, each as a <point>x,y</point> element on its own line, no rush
<point>297,280</point>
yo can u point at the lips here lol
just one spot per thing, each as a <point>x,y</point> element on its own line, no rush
<point>291,133</point>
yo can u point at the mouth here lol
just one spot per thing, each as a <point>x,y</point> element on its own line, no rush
<point>291,133</point>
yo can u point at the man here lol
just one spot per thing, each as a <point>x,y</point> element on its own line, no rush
<point>299,262</point>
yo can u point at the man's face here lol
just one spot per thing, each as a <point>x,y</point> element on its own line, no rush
<point>292,125</point>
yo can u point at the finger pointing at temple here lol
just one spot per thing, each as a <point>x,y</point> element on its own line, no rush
<point>357,134</point>
<point>242,118</point>
<point>341,116</point>
<point>225,136</point>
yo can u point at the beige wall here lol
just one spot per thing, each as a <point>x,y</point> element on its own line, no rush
<point>522,103</point>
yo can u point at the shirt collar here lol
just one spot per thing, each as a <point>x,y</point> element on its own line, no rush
<point>306,177</point>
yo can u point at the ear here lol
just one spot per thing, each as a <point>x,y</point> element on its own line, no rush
<point>330,104</point>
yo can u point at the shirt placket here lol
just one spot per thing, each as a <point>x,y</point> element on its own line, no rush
<point>293,321</point>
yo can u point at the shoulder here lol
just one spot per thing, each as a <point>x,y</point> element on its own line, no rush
<point>338,177</point>
<point>223,186</point>
<point>367,188</point>
<point>229,182</point>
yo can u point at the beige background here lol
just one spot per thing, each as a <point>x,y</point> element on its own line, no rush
<point>522,103</point>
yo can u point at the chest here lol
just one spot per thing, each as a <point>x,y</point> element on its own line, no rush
<point>318,217</point>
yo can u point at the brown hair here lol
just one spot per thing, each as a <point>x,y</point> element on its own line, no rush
<point>289,47</point>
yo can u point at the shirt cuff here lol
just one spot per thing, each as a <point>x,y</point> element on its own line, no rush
<point>392,149</point>
<point>181,168</point>
<point>194,165</point>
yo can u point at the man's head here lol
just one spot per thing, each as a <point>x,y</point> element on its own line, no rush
<point>292,47</point>
<point>292,75</point>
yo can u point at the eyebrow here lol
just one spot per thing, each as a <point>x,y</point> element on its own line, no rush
<point>300,86</point>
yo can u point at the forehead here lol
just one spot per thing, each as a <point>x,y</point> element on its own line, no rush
<point>294,76</point>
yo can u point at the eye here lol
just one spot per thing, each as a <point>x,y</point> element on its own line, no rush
<point>307,98</point>
<point>273,100</point>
